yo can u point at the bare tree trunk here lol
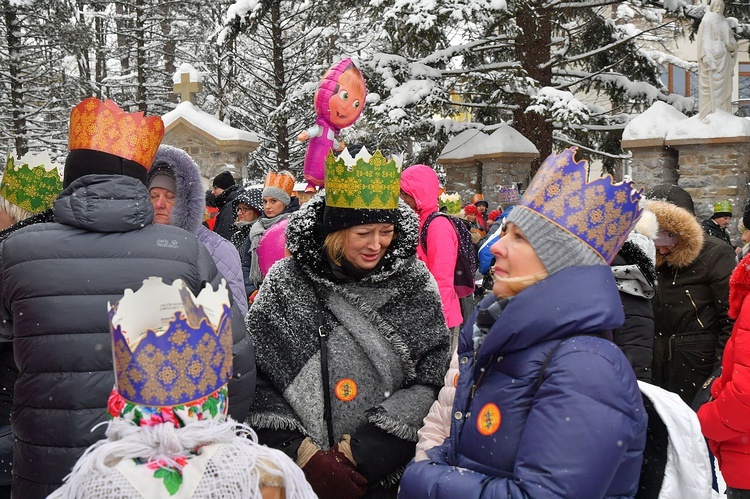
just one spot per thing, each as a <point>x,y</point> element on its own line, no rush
<point>279,79</point>
<point>170,44</point>
<point>533,50</point>
<point>123,26</point>
<point>13,31</point>
<point>100,37</point>
<point>140,55</point>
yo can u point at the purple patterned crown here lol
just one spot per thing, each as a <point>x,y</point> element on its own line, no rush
<point>170,347</point>
<point>599,213</point>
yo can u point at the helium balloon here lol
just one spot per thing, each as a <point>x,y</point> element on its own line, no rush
<point>339,101</point>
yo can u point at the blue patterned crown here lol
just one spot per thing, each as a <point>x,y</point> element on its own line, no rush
<point>170,347</point>
<point>599,213</point>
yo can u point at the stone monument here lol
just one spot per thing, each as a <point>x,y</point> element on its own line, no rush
<point>213,144</point>
<point>717,53</point>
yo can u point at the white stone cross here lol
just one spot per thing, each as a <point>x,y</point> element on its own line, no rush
<point>186,88</point>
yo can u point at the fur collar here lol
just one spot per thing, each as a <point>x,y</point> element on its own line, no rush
<point>305,237</point>
<point>190,201</point>
<point>687,229</point>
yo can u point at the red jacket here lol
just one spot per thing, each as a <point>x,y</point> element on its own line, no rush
<point>421,183</point>
<point>725,420</point>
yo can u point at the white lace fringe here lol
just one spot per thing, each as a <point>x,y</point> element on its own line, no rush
<point>165,442</point>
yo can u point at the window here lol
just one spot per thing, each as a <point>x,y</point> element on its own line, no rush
<point>743,89</point>
<point>679,81</point>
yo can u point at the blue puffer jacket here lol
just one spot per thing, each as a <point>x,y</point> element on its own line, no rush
<point>580,434</point>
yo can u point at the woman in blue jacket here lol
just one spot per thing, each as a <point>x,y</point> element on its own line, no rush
<point>546,405</point>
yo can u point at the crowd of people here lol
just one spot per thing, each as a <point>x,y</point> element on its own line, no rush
<point>161,340</point>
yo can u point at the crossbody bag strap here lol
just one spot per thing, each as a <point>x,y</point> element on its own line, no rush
<point>323,337</point>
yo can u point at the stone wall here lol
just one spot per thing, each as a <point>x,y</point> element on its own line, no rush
<point>504,171</point>
<point>485,176</point>
<point>464,179</point>
<point>653,164</point>
<point>709,169</point>
<point>712,172</point>
<point>210,159</point>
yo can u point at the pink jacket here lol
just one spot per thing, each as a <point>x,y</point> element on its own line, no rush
<point>437,423</point>
<point>421,183</point>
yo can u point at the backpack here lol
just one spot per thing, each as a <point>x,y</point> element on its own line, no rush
<point>466,256</point>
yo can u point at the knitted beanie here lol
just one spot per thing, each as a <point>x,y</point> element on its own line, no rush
<point>471,209</point>
<point>164,177</point>
<point>556,247</point>
<point>335,218</point>
<point>223,180</point>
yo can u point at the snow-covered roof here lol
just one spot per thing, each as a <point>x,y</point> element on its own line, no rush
<point>208,124</point>
<point>505,141</point>
<point>717,125</point>
<point>653,124</point>
<point>462,146</point>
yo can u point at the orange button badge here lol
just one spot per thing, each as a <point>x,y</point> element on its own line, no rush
<point>346,390</point>
<point>488,420</point>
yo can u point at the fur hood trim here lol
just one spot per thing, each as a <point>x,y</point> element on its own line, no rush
<point>685,226</point>
<point>190,201</point>
<point>739,286</point>
<point>647,224</point>
<point>305,237</point>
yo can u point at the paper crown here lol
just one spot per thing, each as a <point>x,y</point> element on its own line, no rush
<point>169,347</point>
<point>365,181</point>
<point>451,202</point>
<point>599,213</point>
<point>32,183</point>
<point>507,194</point>
<point>724,206</point>
<point>282,180</point>
<point>103,126</point>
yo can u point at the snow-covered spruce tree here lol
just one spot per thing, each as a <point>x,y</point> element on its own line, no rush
<point>279,53</point>
<point>563,71</point>
<point>35,81</point>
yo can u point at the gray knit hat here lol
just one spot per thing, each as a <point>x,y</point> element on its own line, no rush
<point>556,247</point>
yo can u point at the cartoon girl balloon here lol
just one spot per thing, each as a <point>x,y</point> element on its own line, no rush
<point>339,101</point>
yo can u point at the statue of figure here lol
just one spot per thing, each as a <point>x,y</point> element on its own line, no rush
<point>717,52</point>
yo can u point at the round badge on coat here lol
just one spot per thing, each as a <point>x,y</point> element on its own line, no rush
<point>345,390</point>
<point>488,419</point>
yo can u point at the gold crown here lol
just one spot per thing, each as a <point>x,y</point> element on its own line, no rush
<point>32,183</point>
<point>364,181</point>
<point>283,180</point>
<point>103,126</point>
<point>169,346</point>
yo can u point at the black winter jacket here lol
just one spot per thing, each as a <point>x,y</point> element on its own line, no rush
<point>55,282</point>
<point>691,303</point>
<point>636,336</point>
<point>225,218</point>
<point>712,229</point>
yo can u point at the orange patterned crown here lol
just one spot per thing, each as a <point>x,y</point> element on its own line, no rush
<point>103,126</point>
<point>282,180</point>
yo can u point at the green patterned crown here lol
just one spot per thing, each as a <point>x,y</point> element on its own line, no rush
<point>451,202</point>
<point>32,183</point>
<point>365,181</point>
<point>724,206</point>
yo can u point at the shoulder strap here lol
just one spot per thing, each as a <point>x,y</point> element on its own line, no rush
<point>323,336</point>
<point>423,233</point>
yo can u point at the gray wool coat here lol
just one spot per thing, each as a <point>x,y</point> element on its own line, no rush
<point>387,337</point>
<point>55,282</point>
